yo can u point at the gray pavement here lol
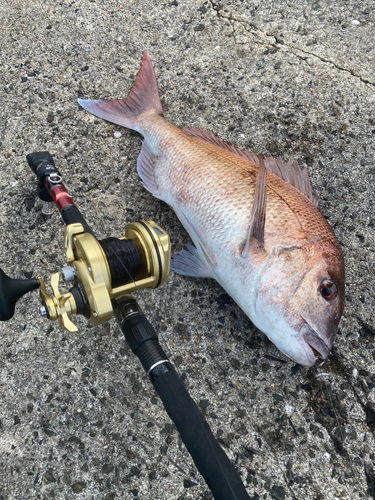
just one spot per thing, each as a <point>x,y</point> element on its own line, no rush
<point>78,417</point>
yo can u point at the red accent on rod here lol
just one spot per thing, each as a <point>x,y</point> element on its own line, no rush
<point>61,197</point>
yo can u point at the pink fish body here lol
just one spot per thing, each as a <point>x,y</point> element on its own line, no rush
<point>254,223</point>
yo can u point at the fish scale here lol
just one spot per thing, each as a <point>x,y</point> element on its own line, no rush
<point>229,183</point>
<point>253,221</point>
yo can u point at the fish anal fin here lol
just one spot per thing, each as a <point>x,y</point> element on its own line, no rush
<point>189,263</point>
<point>288,170</point>
<point>258,214</point>
<point>142,97</point>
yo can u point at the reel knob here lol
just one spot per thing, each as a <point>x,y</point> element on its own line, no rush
<point>10,291</point>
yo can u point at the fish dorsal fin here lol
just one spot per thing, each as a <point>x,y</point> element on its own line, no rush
<point>288,170</point>
<point>291,172</point>
<point>258,213</point>
<point>210,137</point>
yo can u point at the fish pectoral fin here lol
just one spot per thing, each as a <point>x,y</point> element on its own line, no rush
<point>145,167</point>
<point>258,214</point>
<point>190,263</point>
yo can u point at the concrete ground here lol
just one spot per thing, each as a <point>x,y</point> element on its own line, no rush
<point>78,417</point>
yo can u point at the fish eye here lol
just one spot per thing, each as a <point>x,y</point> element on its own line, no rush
<point>328,290</point>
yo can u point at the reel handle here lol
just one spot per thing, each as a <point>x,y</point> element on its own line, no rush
<point>10,291</point>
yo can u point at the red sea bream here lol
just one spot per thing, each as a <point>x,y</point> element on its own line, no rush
<point>253,221</point>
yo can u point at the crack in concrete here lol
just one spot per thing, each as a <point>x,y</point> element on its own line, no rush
<point>340,68</point>
<point>280,43</point>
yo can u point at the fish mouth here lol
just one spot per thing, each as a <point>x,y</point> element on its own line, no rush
<point>317,344</point>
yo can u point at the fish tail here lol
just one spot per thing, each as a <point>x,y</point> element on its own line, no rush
<point>143,96</point>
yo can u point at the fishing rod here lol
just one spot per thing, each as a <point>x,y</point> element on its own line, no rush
<point>103,275</point>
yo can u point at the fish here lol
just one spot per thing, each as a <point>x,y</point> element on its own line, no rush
<point>253,220</point>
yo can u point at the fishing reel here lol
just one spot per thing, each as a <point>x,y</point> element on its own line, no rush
<point>99,271</point>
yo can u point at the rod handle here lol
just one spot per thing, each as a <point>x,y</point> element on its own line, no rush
<point>35,159</point>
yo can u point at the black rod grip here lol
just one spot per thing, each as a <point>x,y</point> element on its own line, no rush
<point>35,159</point>
<point>71,215</point>
<point>42,164</point>
<point>209,458</point>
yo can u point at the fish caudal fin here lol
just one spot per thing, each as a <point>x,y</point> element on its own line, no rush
<point>143,96</point>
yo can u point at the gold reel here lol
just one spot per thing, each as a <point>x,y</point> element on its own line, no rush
<point>89,265</point>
